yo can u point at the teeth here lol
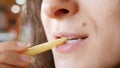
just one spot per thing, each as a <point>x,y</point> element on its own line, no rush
<point>72,41</point>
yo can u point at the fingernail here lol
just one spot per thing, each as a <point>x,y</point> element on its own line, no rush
<point>27,58</point>
<point>21,44</point>
<point>28,44</point>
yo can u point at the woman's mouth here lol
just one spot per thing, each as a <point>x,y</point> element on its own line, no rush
<point>74,42</point>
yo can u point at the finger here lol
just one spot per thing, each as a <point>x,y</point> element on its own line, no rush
<point>16,46</point>
<point>5,66</point>
<point>15,59</point>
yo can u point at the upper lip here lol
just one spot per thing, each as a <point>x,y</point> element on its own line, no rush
<point>71,35</point>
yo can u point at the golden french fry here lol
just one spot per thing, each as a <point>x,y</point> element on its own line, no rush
<point>44,47</point>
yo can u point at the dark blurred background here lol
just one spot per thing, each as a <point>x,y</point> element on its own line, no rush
<point>11,28</point>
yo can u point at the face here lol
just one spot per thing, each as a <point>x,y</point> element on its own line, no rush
<point>92,28</point>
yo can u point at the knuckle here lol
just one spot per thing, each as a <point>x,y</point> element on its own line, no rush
<point>14,46</point>
<point>6,45</point>
<point>3,48</point>
<point>9,46</point>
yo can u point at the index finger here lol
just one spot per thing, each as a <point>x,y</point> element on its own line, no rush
<point>15,46</point>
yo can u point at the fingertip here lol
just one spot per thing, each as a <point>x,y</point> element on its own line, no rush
<point>23,45</point>
<point>28,44</point>
<point>27,58</point>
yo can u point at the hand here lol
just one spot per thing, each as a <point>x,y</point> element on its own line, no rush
<point>11,56</point>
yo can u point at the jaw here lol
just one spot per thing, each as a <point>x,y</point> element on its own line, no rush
<point>94,54</point>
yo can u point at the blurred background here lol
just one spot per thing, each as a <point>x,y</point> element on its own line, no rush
<point>11,28</point>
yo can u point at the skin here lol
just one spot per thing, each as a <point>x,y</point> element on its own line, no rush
<point>10,53</point>
<point>99,19</point>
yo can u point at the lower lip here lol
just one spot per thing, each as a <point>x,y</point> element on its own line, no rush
<point>70,47</point>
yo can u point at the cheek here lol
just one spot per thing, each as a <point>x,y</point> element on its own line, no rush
<point>102,10</point>
<point>46,24</point>
<point>106,16</point>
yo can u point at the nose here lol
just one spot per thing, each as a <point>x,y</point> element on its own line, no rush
<point>59,8</point>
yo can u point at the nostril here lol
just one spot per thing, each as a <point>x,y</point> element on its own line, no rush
<point>61,12</point>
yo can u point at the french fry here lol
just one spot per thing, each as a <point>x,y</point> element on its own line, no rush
<point>32,51</point>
